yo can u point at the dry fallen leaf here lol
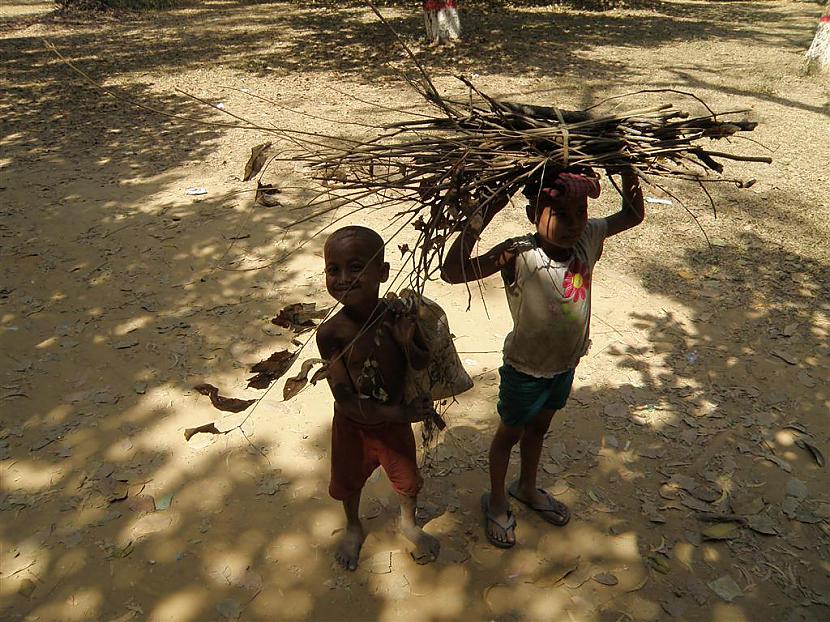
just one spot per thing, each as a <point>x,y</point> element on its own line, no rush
<point>254,165</point>
<point>228,404</point>
<point>606,578</point>
<point>271,369</point>
<point>299,316</point>
<point>726,588</point>
<point>814,451</point>
<point>267,195</point>
<point>209,428</point>
<point>785,356</point>
<point>294,385</point>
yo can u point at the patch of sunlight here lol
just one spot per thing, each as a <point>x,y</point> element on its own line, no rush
<point>502,600</point>
<point>590,544</point>
<point>131,325</point>
<point>325,522</point>
<point>21,561</point>
<point>547,604</point>
<point>70,563</point>
<point>47,343</point>
<point>8,317</point>
<point>226,567</point>
<point>11,138</point>
<point>296,604</point>
<point>723,612</point>
<point>30,476</point>
<point>684,552</point>
<point>186,605</point>
<point>58,414</point>
<point>289,548</point>
<point>785,438</point>
<point>710,553</point>
<point>204,251</point>
<point>83,604</point>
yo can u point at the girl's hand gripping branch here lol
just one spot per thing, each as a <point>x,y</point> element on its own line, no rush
<point>633,210</point>
<point>459,266</point>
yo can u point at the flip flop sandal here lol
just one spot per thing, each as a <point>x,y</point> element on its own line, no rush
<point>489,520</point>
<point>552,511</point>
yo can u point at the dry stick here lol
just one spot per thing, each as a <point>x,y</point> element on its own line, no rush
<point>376,105</point>
<point>687,210</point>
<point>439,101</point>
<point>132,102</point>
<point>711,200</point>
<point>298,112</point>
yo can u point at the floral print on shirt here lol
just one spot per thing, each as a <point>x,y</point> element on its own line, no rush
<point>577,281</point>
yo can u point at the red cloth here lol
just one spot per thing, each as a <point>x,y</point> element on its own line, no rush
<point>437,5</point>
<point>356,451</point>
<point>573,186</point>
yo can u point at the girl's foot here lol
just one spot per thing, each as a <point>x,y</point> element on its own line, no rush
<point>500,525</point>
<point>542,502</point>
<point>348,549</point>
<point>426,547</point>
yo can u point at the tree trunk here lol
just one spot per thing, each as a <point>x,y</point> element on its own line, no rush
<point>441,21</point>
<point>818,56</point>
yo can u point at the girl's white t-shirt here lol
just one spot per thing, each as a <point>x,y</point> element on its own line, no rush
<point>550,302</point>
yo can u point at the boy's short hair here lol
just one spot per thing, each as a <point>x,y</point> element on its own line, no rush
<point>370,236</point>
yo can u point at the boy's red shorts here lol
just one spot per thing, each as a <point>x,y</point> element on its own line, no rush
<point>356,451</point>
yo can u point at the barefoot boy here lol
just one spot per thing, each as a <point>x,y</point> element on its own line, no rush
<point>547,277</point>
<point>368,349</point>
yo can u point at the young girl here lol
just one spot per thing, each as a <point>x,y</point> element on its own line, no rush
<point>547,278</point>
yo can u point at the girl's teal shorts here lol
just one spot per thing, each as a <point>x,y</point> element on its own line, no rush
<point>522,397</point>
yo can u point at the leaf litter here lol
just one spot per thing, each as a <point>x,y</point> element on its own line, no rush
<point>300,316</point>
<point>296,383</point>
<point>227,404</point>
<point>271,369</point>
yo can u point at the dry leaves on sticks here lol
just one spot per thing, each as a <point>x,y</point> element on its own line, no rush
<point>228,404</point>
<point>208,428</point>
<point>254,165</point>
<point>294,385</point>
<point>299,316</point>
<point>267,195</point>
<point>271,369</point>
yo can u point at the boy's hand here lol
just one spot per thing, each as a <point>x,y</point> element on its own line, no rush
<point>403,329</point>
<point>419,409</point>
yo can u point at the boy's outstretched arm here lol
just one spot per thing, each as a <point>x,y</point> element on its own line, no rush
<point>459,266</point>
<point>633,210</point>
<point>358,408</point>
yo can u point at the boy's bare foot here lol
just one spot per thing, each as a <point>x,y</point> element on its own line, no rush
<point>426,546</point>
<point>348,549</point>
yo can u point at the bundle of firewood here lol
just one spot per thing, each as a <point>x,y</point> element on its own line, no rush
<point>439,170</point>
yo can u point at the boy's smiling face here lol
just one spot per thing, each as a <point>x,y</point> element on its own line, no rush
<point>354,270</point>
<point>561,221</point>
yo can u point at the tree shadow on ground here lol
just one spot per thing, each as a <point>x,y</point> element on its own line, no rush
<point>144,302</point>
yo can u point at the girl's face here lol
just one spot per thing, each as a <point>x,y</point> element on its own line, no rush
<point>561,221</point>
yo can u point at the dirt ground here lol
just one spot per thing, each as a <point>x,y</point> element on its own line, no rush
<point>692,449</point>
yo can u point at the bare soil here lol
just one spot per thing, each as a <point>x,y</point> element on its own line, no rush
<point>692,449</point>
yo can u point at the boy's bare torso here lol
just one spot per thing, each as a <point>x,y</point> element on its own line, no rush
<point>374,360</point>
